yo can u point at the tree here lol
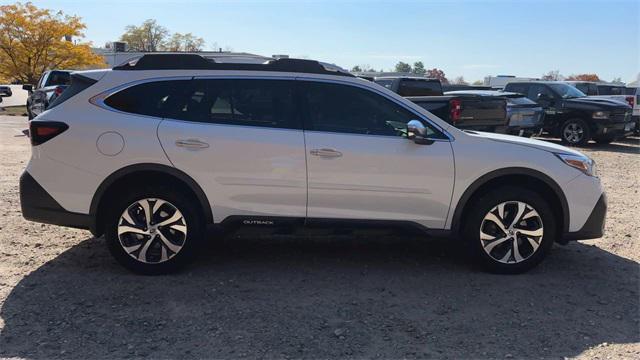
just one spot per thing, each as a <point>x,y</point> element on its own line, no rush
<point>403,67</point>
<point>184,42</point>
<point>363,68</point>
<point>553,75</point>
<point>147,37</point>
<point>478,82</point>
<point>617,80</point>
<point>34,40</point>
<point>418,68</point>
<point>437,74</point>
<point>460,81</point>
<point>584,77</point>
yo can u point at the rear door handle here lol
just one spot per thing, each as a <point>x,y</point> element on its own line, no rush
<point>326,153</point>
<point>192,144</point>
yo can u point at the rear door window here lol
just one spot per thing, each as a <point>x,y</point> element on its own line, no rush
<point>260,103</point>
<point>517,88</point>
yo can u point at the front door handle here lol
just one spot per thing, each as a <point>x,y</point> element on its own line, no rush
<point>326,153</point>
<point>192,144</point>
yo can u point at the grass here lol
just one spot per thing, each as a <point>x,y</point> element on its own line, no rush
<point>13,110</point>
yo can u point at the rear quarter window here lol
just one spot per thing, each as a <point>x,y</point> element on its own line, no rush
<point>154,98</point>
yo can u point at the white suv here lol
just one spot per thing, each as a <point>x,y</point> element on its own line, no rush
<point>153,152</point>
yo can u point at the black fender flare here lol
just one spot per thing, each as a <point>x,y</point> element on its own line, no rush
<point>471,190</point>
<point>169,170</point>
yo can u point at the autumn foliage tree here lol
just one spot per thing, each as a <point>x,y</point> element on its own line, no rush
<point>437,74</point>
<point>34,40</point>
<point>584,77</point>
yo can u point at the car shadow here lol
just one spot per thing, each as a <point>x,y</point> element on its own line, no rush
<point>356,296</point>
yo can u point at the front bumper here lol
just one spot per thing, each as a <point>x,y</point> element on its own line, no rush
<point>37,205</point>
<point>594,227</point>
<point>616,130</point>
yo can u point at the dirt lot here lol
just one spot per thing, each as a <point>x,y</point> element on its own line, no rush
<point>368,295</point>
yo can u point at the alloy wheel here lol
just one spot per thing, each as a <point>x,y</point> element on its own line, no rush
<point>511,232</point>
<point>573,133</point>
<point>152,230</point>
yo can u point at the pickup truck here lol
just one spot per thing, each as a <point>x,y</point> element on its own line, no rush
<point>469,112</point>
<point>575,117</point>
<point>525,117</point>
<point>51,85</point>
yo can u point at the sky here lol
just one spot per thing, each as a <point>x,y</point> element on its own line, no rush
<point>471,38</point>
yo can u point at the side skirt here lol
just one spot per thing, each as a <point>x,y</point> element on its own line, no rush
<point>273,223</point>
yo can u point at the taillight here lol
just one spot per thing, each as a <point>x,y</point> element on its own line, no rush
<point>58,90</point>
<point>43,131</point>
<point>455,107</point>
<point>630,100</point>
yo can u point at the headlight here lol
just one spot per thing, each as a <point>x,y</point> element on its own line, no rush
<point>601,115</point>
<point>582,163</point>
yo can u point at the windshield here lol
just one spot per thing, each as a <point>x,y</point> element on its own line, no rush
<point>567,91</point>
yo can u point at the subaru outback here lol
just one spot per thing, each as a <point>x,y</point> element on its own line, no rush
<point>153,153</point>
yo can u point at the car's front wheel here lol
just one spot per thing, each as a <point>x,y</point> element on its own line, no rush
<point>575,132</point>
<point>510,230</point>
<point>154,231</point>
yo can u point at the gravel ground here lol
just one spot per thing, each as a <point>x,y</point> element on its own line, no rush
<point>362,295</point>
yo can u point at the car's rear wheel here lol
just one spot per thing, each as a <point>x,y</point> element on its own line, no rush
<point>575,132</point>
<point>154,231</point>
<point>510,230</point>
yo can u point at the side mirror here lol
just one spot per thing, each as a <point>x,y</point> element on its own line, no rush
<point>27,87</point>
<point>417,132</point>
<point>543,97</point>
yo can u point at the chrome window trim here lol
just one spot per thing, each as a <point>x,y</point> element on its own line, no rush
<point>98,100</point>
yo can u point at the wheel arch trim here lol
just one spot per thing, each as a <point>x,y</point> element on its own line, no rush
<point>518,171</point>
<point>131,169</point>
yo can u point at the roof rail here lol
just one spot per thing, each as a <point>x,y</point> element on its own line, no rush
<point>198,62</point>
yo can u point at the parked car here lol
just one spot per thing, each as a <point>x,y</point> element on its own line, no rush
<point>574,117</point>
<point>524,117</point>
<point>469,112</point>
<point>635,92</point>
<point>5,91</point>
<point>51,85</point>
<point>154,152</point>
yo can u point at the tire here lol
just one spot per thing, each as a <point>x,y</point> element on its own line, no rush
<point>536,217</point>
<point>157,249</point>
<point>575,132</point>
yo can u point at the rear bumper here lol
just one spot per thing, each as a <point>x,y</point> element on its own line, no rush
<point>525,131</point>
<point>594,227</point>
<point>37,205</point>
